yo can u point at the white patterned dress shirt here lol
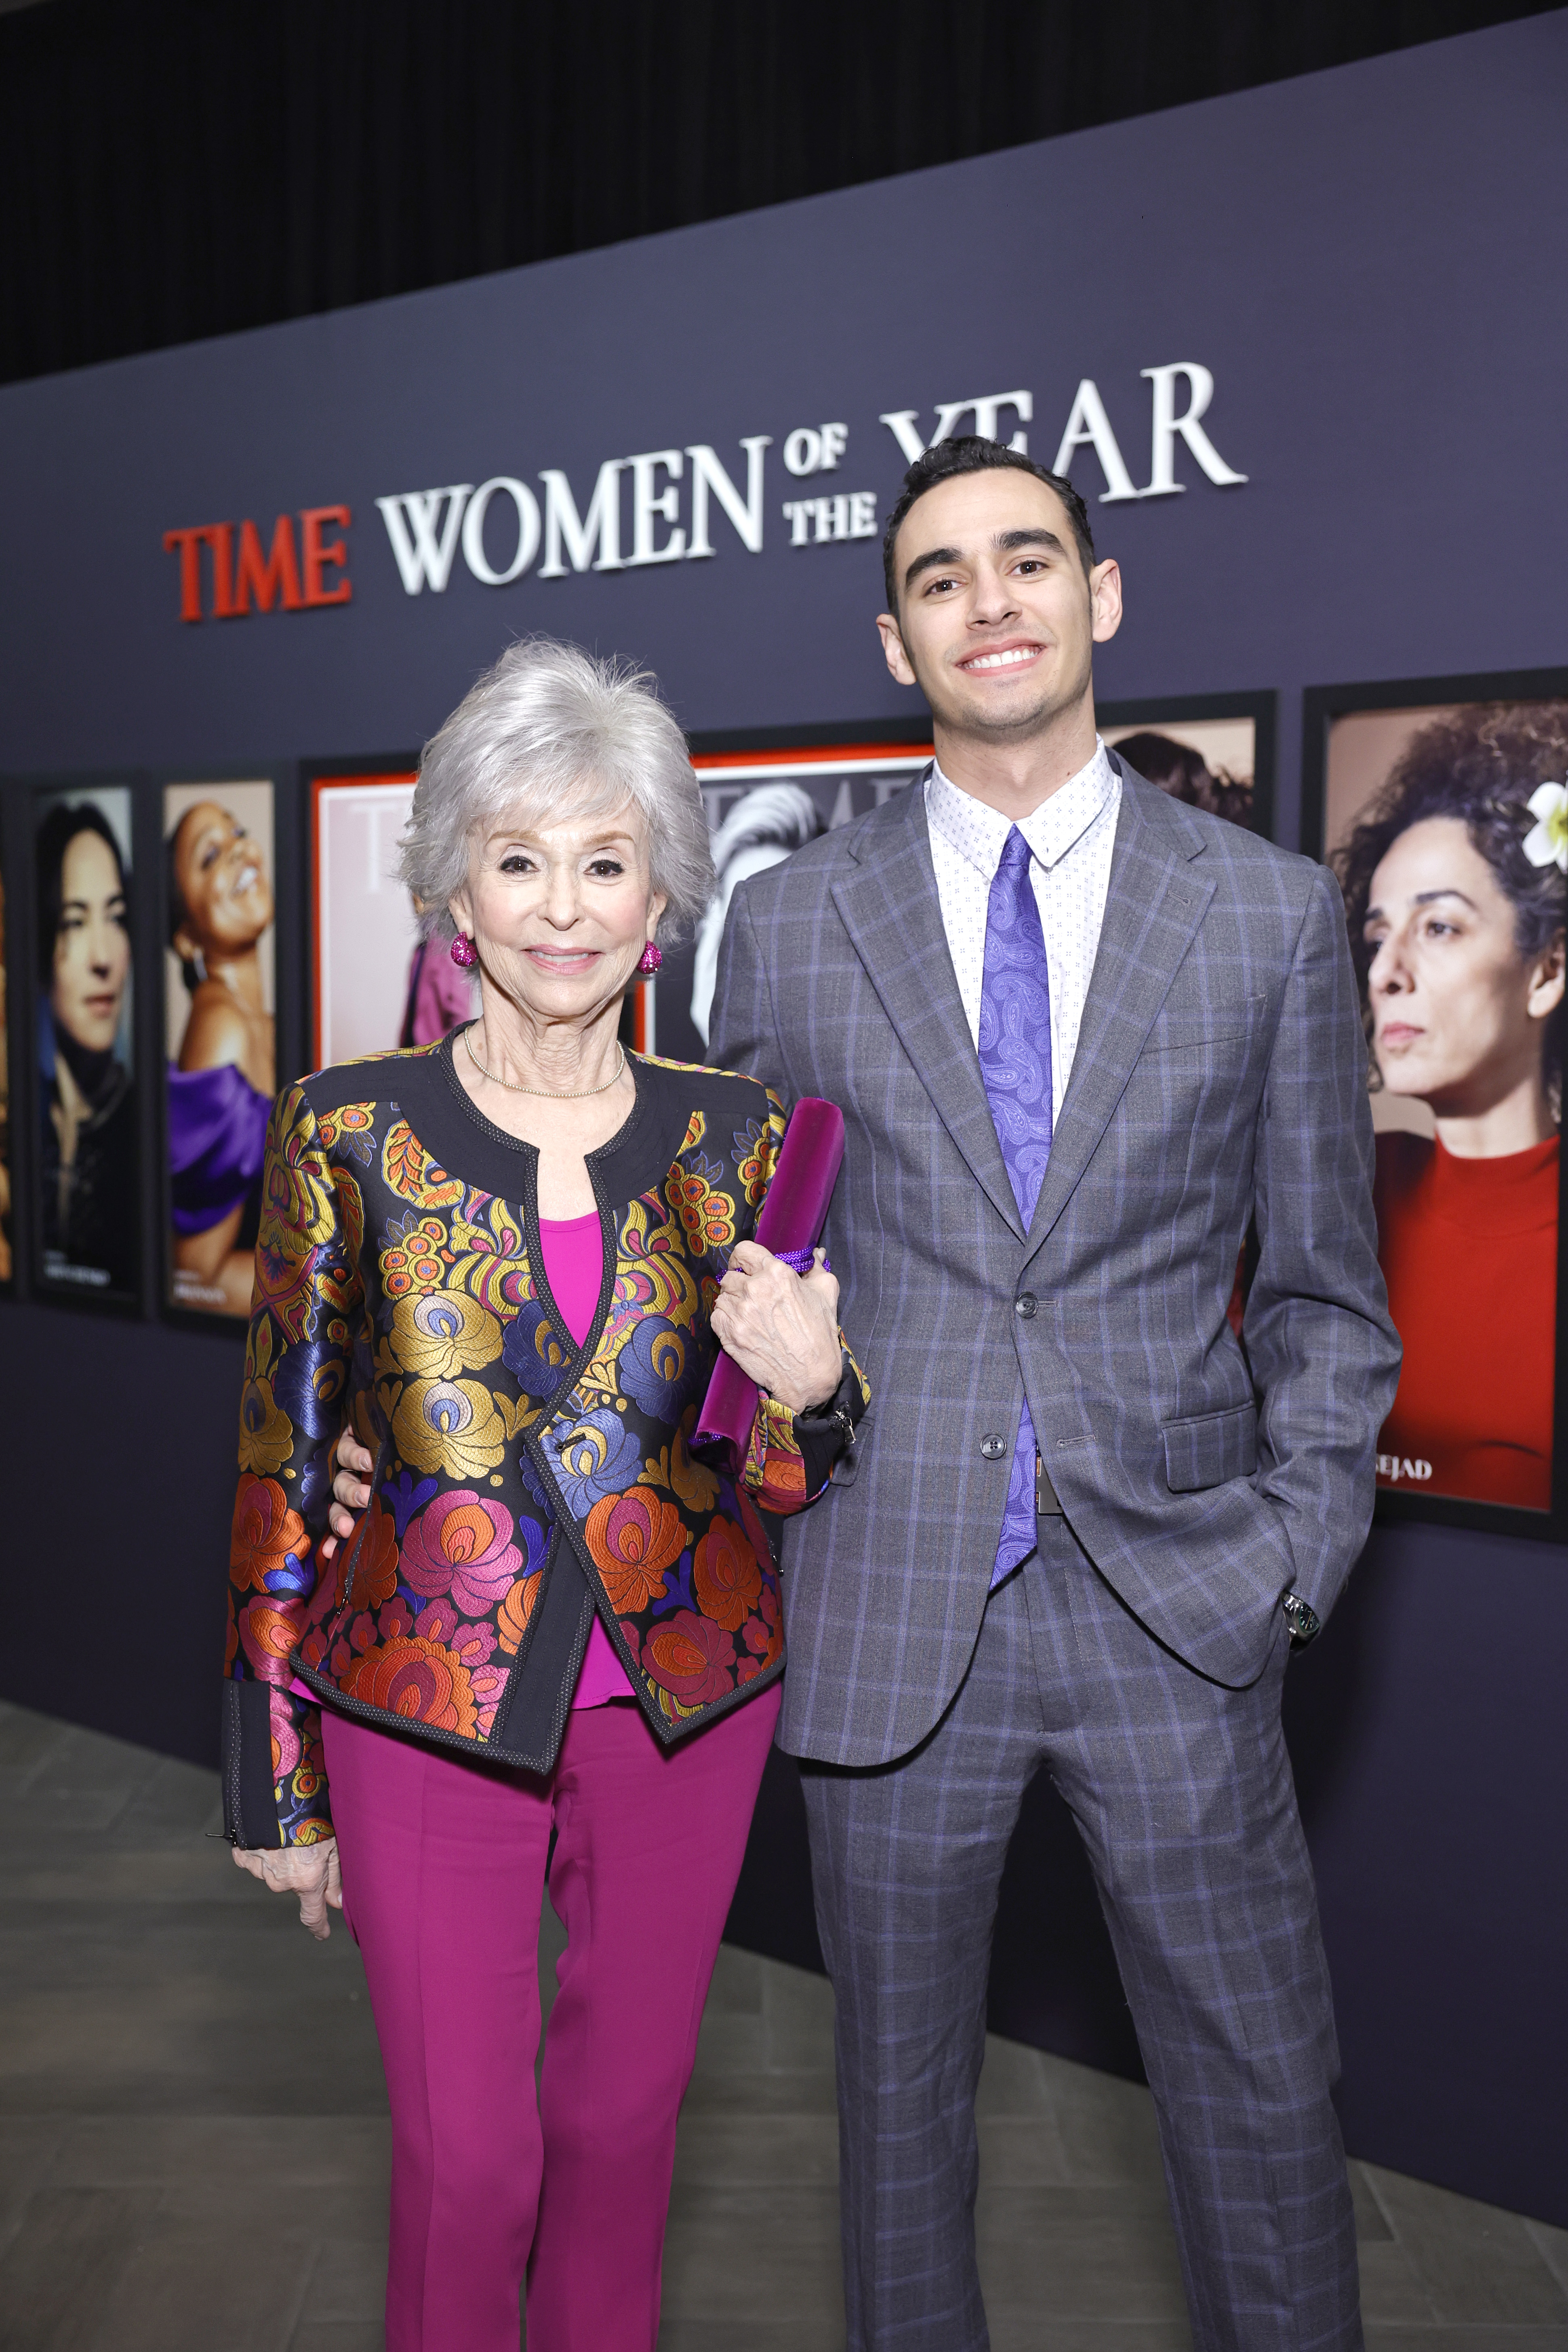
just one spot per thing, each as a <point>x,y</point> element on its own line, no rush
<point>1070,838</point>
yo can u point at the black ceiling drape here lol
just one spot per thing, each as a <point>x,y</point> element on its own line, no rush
<point>177,168</point>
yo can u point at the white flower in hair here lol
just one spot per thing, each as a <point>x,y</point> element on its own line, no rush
<point>1546,842</point>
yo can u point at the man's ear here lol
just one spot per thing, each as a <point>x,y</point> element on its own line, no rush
<point>1105,599</point>
<point>897,658</point>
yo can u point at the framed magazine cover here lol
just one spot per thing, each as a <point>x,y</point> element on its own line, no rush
<point>83,1117</point>
<point>374,984</point>
<point>767,791</point>
<point>1442,805</point>
<point>1213,750</point>
<point>227,1010</point>
<point>9,1051</point>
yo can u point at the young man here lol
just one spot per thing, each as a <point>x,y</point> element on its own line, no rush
<point>1083,1037</point>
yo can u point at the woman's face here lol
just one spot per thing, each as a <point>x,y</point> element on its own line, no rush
<point>222,885</point>
<point>92,945</point>
<point>561,913</point>
<point>1459,1014</point>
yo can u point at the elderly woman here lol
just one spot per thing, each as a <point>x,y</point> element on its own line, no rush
<point>1454,892</point>
<point>509,1258</point>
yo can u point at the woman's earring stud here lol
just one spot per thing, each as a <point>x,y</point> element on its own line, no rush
<point>464,952</point>
<point>650,959</point>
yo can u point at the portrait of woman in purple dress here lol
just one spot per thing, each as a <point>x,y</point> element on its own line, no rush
<point>223,1075</point>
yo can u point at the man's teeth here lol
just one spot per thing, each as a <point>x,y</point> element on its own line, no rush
<point>1003,661</point>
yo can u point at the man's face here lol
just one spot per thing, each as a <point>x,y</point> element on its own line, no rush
<point>996,621</point>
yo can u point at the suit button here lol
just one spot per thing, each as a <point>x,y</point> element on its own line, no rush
<point>993,1447</point>
<point>1025,1307</point>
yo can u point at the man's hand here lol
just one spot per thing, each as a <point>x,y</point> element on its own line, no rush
<point>351,1490</point>
<point>781,1327</point>
<point>311,1872</point>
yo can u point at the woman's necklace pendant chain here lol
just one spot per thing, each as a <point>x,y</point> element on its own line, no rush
<point>577,1094</point>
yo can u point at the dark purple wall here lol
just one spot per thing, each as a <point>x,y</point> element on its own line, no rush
<point>1369,262</point>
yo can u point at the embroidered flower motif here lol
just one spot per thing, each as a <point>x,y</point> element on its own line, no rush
<point>631,1540</point>
<point>450,1425</point>
<point>404,1498</point>
<point>691,1659</point>
<point>534,1351</point>
<point>266,1432</point>
<point>375,1557</point>
<point>436,1337</point>
<point>598,1456</point>
<point>462,1545</point>
<point>408,1170</point>
<point>726,1576</point>
<point>1546,844</point>
<point>512,1619</point>
<point>267,1540</point>
<point>752,1149</point>
<point>659,1367</point>
<point>705,1213</point>
<point>395,1619</point>
<point>267,1633</point>
<point>674,1466</point>
<point>411,1255</point>
<point>309,1385</point>
<point>422,1681</point>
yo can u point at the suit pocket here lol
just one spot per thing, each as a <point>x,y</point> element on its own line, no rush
<point>1211,1449</point>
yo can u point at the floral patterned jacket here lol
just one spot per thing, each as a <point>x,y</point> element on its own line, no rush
<point>521,1483</point>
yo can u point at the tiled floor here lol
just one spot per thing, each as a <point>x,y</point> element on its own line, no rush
<point>193,2143</point>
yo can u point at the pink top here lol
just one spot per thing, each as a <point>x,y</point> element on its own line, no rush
<point>574,1263</point>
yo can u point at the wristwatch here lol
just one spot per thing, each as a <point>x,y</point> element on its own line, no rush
<point>1302,1618</point>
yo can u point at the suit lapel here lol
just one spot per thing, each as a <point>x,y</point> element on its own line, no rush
<point>1153,909</point>
<point>890,910</point>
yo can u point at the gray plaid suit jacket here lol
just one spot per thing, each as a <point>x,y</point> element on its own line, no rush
<point>1220,1078</point>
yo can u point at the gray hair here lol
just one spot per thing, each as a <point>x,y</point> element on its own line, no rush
<point>552,732</point>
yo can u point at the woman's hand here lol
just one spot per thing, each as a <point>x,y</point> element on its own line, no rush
<point>351,1490</point>
<point>311,1872</point>
<point>781,1327</point>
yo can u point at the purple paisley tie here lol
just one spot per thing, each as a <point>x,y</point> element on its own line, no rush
<point>1015,1064</point>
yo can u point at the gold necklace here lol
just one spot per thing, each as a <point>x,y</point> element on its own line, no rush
<point>578,1094</point>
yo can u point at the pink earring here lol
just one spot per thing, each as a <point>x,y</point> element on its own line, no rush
<point>464,951</point>
<point>650,959</point>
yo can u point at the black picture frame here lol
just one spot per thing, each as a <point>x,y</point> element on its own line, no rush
<point>281,778</point>
<point>13,1179</point>
<point>31,795</point>
<point>1321,705</point>
<point>1260,705</point>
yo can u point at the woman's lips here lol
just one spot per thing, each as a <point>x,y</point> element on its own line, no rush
<point>568,960</point>
<point>1397,1033</point>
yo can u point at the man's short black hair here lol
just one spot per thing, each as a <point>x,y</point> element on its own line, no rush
<point>972,454</point>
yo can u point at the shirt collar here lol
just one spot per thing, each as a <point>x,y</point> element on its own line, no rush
<point>979,833</point>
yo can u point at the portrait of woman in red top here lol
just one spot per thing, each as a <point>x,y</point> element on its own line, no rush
<point>1454,893</point>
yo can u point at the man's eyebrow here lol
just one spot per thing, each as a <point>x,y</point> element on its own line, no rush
<point>931,562</point>
<point>1036,536</point>
<point>1006,543</point>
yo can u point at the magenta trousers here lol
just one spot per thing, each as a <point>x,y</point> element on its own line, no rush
<point>443,1865</point>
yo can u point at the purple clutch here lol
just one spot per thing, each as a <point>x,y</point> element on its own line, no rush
<point>793,1216</point>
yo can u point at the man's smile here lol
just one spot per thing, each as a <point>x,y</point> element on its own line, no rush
<point>995,657</point>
